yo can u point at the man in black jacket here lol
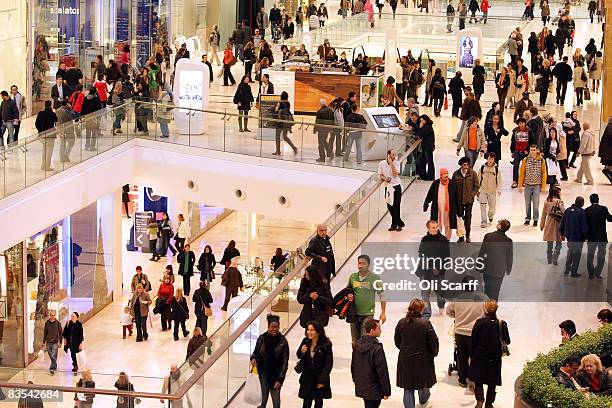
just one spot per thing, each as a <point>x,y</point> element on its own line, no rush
<point>434,249</point>
<point>45,120</point>
<point>597,216</point>
<point>60,93</point>
<point>369,367</point>
<point>275,21</point>
<point>563,72</point>
<point>497,253</point>
<point>322,254</point>
<point>325,117</point>
<point>266,87</point>
<point>568,370</point>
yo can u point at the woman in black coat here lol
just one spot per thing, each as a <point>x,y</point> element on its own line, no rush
<point>243,98</point>
<point>228,253</point>
<point>550,43</point>
<point>437,90</point>
<point>206,265</point>
<point>425,133</point>
<point>73,338</point>
<point>316,297</point>
<point>179,313</point>
<point>532,49</point>
<point>316,361</point>
<point>495,110</point>
<point>418,344</point>
<point>486,351</point>
<point>271,357</point>
<point>574,143</point>
<point>493,133</point>
<point>478,81</point>
<point>543,82</point>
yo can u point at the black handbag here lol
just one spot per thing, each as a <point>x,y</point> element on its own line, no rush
<point>556,213</point>
<point>504,346</point>
<point>299,366</point>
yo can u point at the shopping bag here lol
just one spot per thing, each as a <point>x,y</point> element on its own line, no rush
<point>552,168</point>
<point>389,195</point>
<point>41,355</point>
<point>587,94</point>
<point>82,358</point>
<point>252,390</point>
<point>446,103</point>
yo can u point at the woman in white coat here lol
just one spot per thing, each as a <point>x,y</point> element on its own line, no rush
<point>183,233</point>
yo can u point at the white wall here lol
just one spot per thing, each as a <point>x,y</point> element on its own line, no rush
<point>13,46</point>
<point>312,191</point>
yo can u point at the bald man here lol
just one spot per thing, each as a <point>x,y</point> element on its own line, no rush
<point>322,254</point>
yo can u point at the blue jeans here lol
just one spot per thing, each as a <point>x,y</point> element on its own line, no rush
<point>117,121</point>
<point>409,401</point>
<point>356,137</point>
<point>163,126</point>
<point>7,124</point>
<point>518,158</point>
<point>52,350</point>
<point>472,155</point>
<point>532,195</point>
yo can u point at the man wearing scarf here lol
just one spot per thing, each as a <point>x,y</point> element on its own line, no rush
<point>445,203</point>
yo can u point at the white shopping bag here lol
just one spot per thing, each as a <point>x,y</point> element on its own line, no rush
<point>41,355</point>
<point>389,195</point>
<point>552,168</point>
<point>252,390</point>
<point>82,358</point>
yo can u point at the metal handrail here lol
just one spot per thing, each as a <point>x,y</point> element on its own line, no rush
<point>218,352</point>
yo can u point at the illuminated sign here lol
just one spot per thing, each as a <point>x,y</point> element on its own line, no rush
<point>63,10</point>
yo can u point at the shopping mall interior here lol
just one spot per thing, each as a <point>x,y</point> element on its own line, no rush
<point>110,166</point>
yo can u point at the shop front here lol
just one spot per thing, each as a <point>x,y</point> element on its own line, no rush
<point>68,267</point>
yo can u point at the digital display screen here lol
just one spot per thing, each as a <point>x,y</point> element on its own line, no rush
<point>468,47</point>
<point>190,90</point>
<point>386,121</point>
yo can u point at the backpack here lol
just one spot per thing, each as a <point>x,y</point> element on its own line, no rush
<point>419,77</point>
<point>482,173</point>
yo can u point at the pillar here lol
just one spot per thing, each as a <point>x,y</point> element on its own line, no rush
<point>606,86</point>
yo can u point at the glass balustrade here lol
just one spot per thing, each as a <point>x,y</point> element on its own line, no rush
<point>38,157</point>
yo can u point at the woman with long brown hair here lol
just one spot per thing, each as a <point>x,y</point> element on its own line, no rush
<point>418,344</point>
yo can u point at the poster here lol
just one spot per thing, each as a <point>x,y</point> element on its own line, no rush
<point>51,270</point>
<point>468,46</point>
<point>141,234</point>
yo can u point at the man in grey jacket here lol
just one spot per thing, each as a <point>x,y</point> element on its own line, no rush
<point>66,116</point>
<point>262,21</point>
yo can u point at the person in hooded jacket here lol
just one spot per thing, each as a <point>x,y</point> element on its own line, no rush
<point>486,351</point>
<point>315,296</point>
<point>73,338</point>
<point>418,345</point>
<point>315,364</point>
<point>369,367</point>
<point>271,358</point>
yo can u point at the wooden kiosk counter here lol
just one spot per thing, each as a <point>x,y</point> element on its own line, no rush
<point>305,89</point>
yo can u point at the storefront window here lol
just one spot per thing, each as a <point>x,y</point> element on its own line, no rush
<point>70,268</point>
<point>11,307</point>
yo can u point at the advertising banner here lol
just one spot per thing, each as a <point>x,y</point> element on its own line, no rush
<point>51,270</point>
<point>141,236</point>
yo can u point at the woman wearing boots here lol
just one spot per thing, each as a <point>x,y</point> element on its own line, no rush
<point>243,99</point>
<point>551,218</point>
<point>486,364</point>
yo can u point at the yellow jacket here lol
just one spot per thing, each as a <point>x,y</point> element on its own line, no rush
<point>523,169</point>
